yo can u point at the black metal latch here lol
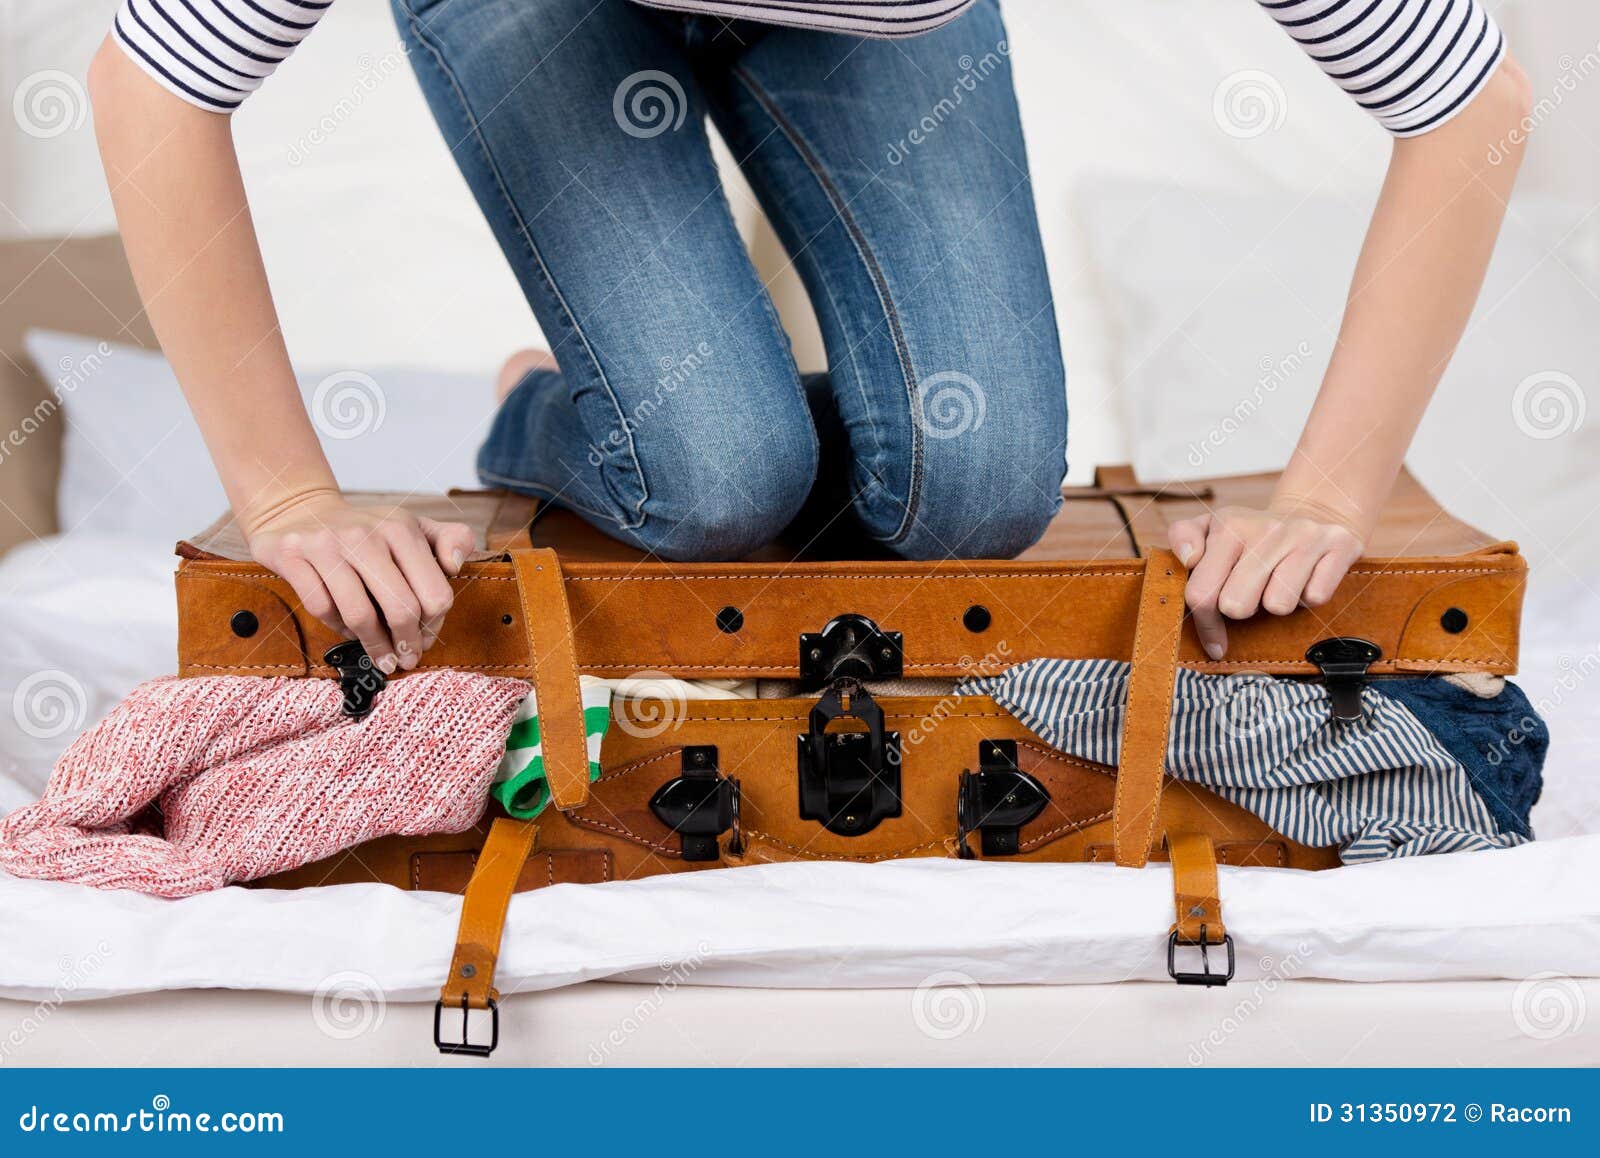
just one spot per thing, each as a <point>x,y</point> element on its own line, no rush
<point>359,679</point>
<point>996,801</point>
<point>850,647</point>
<point>700,805</point>
<point>849,781</point>
<point>1343,661</point>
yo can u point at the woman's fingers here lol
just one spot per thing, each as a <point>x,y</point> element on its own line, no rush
<point>1289,579</point>
<point>451,543</point>
<point>1187,538</point>
<point>356,609</point>
<point>1206,579</point>
<point>1264,547</point>
<point>424,571</point>
<point>402,612</point>
<point>313,593</point>
<point>1331,568</point>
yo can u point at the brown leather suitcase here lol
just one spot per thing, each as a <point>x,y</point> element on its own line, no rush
<point>846,769</point>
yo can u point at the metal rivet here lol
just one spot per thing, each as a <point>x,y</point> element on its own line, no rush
<point>729,620</point>
<point>506,619</point>
<point>1454,621</point>
<point>469,971</point>
<point>977,618</point>
<point>244,624</point>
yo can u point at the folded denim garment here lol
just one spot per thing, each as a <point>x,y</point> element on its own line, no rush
<point>1429,767</point>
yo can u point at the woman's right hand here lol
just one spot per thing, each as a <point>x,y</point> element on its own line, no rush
<point>379,576</point>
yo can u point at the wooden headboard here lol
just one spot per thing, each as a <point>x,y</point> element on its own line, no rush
<point>79,285</point>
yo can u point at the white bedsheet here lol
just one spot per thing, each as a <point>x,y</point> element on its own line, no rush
<point>86,618</point>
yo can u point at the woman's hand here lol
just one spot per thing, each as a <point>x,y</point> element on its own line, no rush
<point>376,575</point>
<point>1241,560</point>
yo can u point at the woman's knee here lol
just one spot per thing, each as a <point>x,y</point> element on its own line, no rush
<point>992,462</point>
<point>732,497</point>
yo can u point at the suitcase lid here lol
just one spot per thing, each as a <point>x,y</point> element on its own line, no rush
<point>1106,521</point>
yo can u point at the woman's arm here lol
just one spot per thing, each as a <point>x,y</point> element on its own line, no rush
<point>185,223</point>
<point>1415,284</point>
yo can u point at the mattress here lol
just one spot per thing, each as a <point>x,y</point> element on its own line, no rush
<point>599,1024</point>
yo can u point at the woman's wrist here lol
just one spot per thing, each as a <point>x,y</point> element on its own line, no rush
<point>270,504</point>
<point>1339,510</point>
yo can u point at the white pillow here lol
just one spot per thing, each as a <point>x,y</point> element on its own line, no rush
<point>133,461</point>
<point>1228,306</point>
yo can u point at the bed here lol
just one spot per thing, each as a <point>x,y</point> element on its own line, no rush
<point>1488,958</point>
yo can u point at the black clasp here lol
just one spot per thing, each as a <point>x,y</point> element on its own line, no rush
<point>1343,661</point>
<point>849,780</point>
<point>996,801</point>
<point>359,679</point>
<point>465,1046</point>
<point>700,805</point>
<point>850,647</point>
<point>1205,976</point>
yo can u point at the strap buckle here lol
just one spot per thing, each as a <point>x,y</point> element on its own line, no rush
<point>1205,976</point>
<point>465,1046</point>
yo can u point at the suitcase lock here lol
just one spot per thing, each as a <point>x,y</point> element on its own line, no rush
<point>996,801</point>
<point>850,646</point>
<point>359,679</point>
<point>1343,661</point>
<point>849,781</point>
<point>700,805</point>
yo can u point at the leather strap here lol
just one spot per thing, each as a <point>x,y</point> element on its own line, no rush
<point>483,913</point>
<point>553,655</point>
<point>1145,721</point>
<point>1140,507</point>
<point>1194,888</point>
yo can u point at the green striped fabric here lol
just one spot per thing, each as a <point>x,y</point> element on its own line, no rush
<point>520,785</point>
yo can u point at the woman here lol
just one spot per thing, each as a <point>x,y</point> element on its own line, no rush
<point>577,123</point>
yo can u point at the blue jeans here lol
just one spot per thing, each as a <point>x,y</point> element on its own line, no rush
<point>896,177</point>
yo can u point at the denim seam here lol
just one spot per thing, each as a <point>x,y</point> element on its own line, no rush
<point>808,158</point>
<point>439,61</point>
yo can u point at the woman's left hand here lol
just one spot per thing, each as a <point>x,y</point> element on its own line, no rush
<point>1242,559</point>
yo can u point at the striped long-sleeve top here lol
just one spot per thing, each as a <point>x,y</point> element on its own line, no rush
<point>1411,63</point>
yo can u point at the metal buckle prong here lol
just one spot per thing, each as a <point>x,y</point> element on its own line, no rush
<point>1205,976</point>
<point>464,1046</point>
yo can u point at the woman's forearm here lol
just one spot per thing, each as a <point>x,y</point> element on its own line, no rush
<point>185,223</point>
<point>1415,284</point>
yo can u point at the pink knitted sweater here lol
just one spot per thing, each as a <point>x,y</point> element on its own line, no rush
<point>190,784</point>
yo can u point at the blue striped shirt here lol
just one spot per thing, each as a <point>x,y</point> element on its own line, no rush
<point>1411,63</point>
